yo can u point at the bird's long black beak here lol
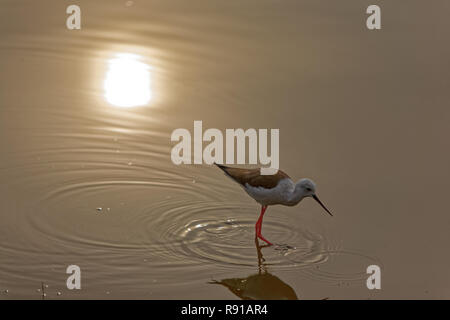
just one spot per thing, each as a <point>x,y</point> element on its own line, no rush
<point>320,202</point>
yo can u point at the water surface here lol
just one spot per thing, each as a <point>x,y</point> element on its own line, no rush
<point>87,182</point>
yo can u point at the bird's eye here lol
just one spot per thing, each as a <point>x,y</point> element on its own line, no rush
<point>308,189</point>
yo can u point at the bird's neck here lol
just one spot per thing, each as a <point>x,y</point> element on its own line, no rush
<point>296,195</point>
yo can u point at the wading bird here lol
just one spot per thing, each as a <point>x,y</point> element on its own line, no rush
<point>269,190</point>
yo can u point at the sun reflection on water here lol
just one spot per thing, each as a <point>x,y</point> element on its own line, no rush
<point>127,81</point>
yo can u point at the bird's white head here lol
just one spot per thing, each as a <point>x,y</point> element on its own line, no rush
<point>308,189</point>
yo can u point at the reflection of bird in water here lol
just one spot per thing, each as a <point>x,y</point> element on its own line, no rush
<point>260,286</point>
<point>271,189</point>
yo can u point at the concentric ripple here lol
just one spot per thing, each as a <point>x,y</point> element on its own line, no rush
<point>229,240</point>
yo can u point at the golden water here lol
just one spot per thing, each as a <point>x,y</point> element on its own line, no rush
<point>364,114</point>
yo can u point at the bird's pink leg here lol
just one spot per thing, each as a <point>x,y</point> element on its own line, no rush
<point>259,222</point>
<point>258,225</point>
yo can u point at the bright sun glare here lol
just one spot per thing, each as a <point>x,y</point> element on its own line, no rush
<point>127,82</point>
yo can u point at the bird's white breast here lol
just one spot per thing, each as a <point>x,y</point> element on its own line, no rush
<point>278,195</point>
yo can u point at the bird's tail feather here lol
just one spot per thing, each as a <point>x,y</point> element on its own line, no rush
<point>223,168</point>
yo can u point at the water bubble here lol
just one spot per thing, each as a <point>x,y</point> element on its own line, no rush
<point>58,293</point>
<point>99,209</point>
